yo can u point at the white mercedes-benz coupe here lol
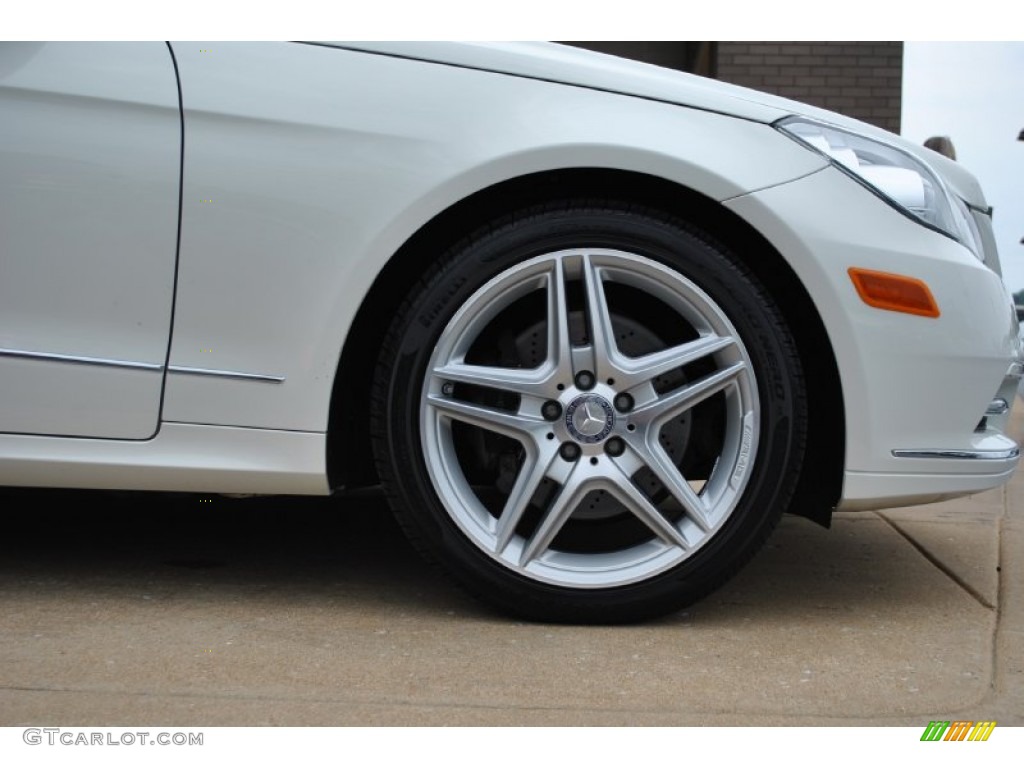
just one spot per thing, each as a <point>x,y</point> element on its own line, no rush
<point>593,325</point>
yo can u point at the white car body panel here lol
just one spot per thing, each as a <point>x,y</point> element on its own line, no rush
<point>306,168</point>
<point>90,146</point>
<point>182,457</point>
<point>908,382</point>
<point>563,64</point>
<point>297,177</point>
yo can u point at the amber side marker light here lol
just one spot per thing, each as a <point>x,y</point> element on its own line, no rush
<point>897,293</point>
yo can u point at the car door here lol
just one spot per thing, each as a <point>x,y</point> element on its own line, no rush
<point>90,164</point>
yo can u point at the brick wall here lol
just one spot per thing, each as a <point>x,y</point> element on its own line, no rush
<point>862,80</point>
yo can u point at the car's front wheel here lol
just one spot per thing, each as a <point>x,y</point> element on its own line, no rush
<point>589,413</point>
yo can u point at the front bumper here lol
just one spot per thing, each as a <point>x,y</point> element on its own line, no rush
<point>987,461</point>
<point>915,389</point>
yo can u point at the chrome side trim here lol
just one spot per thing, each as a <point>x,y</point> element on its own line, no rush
<point>225,374</point>
<point>80,360</point>
<point>134,365</point>
<point>1007,453</point>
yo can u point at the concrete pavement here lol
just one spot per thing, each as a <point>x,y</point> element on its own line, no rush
<point>175,610</point>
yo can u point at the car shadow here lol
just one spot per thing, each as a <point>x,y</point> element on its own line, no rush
<point>348,550</point>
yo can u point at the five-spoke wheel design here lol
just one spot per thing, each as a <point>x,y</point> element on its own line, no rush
<point>589,413</point>
<point>580,412</point>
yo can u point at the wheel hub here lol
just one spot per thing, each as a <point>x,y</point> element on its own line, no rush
<point>589,418</point>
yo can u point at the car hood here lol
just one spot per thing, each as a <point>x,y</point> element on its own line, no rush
<point>551,62</point>
<point>574,66</point>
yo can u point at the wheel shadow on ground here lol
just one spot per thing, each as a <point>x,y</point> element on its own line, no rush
<point>349,550</point>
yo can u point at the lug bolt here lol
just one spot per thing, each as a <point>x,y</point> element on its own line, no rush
<point>569,451</point>
<point>585,380</point>
<point>615,447</point>
<point>551,410</point>
<point>624,402</point>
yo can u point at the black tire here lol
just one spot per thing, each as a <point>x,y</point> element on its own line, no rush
<point>455,448</point>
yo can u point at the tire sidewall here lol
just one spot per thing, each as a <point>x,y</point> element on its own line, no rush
<point>723,277</point>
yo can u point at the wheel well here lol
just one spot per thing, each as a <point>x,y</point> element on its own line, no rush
<point>349,458</point>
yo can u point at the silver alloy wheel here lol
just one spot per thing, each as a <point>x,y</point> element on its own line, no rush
<point>608,432</point>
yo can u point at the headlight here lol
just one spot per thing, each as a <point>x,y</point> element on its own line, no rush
<point>896,176</point>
